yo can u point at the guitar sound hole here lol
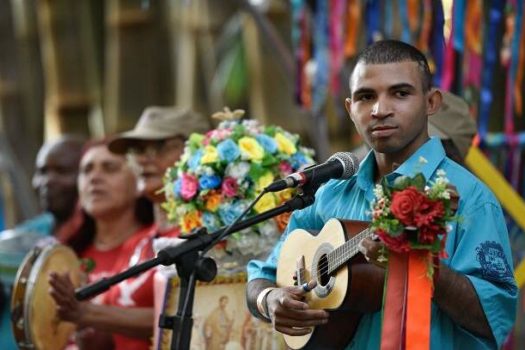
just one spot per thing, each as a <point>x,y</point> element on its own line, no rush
<point>322,271</point>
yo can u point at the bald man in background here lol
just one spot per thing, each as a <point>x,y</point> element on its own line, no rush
<point>55,183</point>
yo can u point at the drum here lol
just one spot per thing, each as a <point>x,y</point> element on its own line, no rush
<point>33,311</point>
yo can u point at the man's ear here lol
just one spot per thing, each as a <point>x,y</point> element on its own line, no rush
<point>348,104</point>
<point>434,101</point>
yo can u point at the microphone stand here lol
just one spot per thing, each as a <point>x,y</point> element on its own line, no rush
<point>191,266</point>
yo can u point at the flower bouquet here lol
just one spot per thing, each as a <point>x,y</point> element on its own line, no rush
<point>221,172</point>
<point>411,219</point>
<point>409,215</point>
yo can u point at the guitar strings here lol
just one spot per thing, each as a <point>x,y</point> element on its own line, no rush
<point>343,253</point>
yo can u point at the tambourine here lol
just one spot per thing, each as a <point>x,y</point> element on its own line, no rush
<point>34,319</point>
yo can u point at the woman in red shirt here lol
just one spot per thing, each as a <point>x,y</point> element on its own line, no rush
<point>116,236</point>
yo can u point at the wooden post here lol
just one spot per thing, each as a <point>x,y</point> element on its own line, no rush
<point>72,86</point>
<point>138,61</point>
<point>196,26</point>
<point>20,120</point>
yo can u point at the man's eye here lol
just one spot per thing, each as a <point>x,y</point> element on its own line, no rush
<point>366,97</point>
<point>402,93</point>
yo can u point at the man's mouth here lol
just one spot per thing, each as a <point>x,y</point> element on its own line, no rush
<point>383,130</point>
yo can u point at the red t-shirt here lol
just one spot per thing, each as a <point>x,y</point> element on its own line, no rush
<point>136,291</point>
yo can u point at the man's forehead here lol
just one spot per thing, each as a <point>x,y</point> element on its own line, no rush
<point>395,73</point>
<point>58,156</point>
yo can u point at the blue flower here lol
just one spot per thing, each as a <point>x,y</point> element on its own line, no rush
<point>229,212</point>
<point>195,160</point>
<point>228,150</point>
<point>267,142</point>
<point>298,160</point>
<point>176,187</point>
<point>210,221</point>
<point>208,182</point>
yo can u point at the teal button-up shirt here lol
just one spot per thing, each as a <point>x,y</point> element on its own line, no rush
<point>477,246</point>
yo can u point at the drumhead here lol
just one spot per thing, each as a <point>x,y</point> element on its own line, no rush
<point>41,326</point>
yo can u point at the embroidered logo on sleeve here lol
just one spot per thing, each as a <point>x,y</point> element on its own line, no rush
<point>494,265</point>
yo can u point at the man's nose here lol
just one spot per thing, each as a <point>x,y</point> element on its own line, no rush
<point>380,109</point>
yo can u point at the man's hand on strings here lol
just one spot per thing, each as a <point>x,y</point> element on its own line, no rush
<point>289,312</point>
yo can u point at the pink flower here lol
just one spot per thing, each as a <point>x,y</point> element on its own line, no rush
<point>285,168</point>
<point>189,187</point>
<point>218,134</point>
<point>229,187</point>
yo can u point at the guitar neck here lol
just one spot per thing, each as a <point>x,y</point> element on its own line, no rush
<point>340,256</point>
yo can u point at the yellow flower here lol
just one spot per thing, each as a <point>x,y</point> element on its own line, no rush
<point>284,144</point>
<point>190,221</point>
<point>251,148</point>
<point>284,195</point>
<point>213,200</point>
<point>264,181</point>
<point>267,202</point>
<point>210,155</point>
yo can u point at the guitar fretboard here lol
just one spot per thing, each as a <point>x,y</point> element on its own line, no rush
<point>339,256</point>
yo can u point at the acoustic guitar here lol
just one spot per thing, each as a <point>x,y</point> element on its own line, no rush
<point>331,258</point>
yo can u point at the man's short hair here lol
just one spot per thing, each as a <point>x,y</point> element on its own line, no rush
<point>394,51</point>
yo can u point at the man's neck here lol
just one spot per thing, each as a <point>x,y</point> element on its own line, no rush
<point>389,162</point>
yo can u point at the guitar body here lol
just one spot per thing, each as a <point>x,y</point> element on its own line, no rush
<point>332,290</point>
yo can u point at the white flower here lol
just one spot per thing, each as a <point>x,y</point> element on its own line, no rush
<point>445,195</point>
<point>378,191</point>
<point>268,228</point>
<point>441,173</point>
<point>237,170</point>
<point>185,155</point>
<point>206,170</point>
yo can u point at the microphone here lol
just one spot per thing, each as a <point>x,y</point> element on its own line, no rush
<point>341,165</point>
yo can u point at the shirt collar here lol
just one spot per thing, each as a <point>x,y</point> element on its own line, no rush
<point>365,174</point>
<point>432,151</point>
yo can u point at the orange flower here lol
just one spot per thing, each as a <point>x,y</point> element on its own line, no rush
<point>190,221</point>
<point>213,200</point>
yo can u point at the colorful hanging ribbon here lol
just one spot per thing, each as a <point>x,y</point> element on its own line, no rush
<point>373,20</point>
<point>473,46</point>
<point>489,61</point>
<point>426,26</point>
<point>407,301</point>
<point>393,331</point>
<point>353,23</point>
<point>413,14</point>
<point>337,8</point>
<point>419,297</point>
<point>458,24</point>
<point>405,24</point>
<point>518,102</point>
<point>388,27</point>
<point>297,11</point>
<point>438,42</point>
<point>321,56</point>
<point>306,56</point>
<point>450,54</point>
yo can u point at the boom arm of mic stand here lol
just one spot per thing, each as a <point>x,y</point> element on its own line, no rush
<point>169,256</point>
